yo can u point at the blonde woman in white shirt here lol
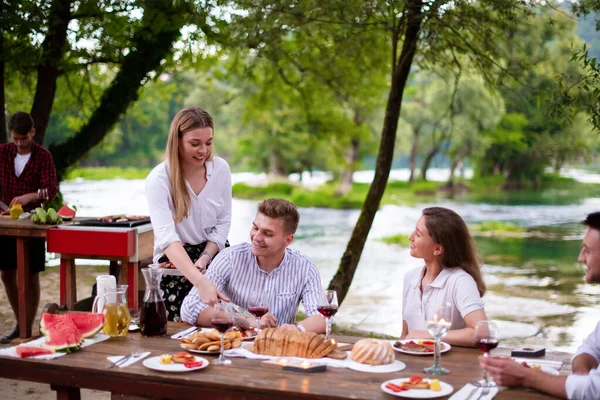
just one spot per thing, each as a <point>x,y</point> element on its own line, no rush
<point>189,198</point>
<point>451,274</point>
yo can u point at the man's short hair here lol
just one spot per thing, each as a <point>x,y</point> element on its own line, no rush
<point>592,220</point>
<point>20,123</point>
<point>283,209</point>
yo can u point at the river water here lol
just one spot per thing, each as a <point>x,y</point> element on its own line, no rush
<point>536,287</point>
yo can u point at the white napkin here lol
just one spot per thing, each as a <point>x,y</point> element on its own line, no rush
<point>127,363</point>
<point>12,352</point>
<point>468,389</point>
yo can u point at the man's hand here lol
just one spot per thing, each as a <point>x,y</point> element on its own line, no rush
<point>415,334</point>
<point>504,370</point>
<point>289,327</point>
<point>24,199</point>
<point>268,321</point>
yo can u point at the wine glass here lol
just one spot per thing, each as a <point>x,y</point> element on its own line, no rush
<point>43,196</point>
<point>259,306</point>
<point>328,307</point>
<point>221,321</point>
<point>438,319</point>
<point>486,336</point>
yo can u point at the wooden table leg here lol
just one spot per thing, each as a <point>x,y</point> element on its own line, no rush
<point>68,283</point>
<point>66,392</point>
<point>23,285</point>
<point>129,276</point>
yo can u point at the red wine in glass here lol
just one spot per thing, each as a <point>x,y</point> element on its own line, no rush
<point>487,344</point>
<point>222,324</point>
<point>258,312</point>
<point>327,311</point>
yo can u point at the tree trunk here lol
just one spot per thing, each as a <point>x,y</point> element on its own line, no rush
<point>349,262</point>
<point>351,160</point>
<point>453,166</point>
<point>3,133</point>
<point>150,45</point>
<point>53,49</point>
<point>427,161</point>
<point>413,153</point>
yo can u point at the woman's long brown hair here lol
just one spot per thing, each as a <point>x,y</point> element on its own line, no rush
<point>448,229</point>
<point>186,120</point>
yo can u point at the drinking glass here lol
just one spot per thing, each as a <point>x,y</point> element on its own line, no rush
<point>259,306</point>
<point>438,319</point>
<point>221,321</point>
<point>43,196</point>
<point>328,307</point>
<point>486,336</point>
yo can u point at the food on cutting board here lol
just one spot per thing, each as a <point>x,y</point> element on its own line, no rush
<point>372,352</point>
<point>211,340</point>
<point>66,332</point>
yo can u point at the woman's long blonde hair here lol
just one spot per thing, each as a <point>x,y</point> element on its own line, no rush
<point>448,229</point>
<point>186,120</point>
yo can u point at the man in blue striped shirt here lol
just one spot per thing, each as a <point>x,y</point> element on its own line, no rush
<point>269,265</point>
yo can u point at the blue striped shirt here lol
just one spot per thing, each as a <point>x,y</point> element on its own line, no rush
<point>236,273</point>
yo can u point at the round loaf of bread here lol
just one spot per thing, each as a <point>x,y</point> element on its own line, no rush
<point>372,352</point>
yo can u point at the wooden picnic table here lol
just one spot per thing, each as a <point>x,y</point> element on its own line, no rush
<point>243,379</point>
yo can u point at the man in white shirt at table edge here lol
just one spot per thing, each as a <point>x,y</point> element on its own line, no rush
<point>584,382</point>
<point>267,264</point>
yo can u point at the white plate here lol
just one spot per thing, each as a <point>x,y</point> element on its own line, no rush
<point>393,367</point>
<point>154,363</point>
<point>417,393</point>
<point>549,370</point>
<point>446,348</point>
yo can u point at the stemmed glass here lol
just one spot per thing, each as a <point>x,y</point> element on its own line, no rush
<point>328,307</point>
<point>43,196</point>
<point>221,321</point>
<point>438,319</point>
<point>259,306</point>
<point>486,336</point>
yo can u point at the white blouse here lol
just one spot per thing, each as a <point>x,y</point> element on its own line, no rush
<point>209,216</point>
<point>452,285</point>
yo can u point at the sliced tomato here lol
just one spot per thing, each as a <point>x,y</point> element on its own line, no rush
<point>193,364</point>
<point>428,342</point>
<point>415,379</point>
<point>395,388</point>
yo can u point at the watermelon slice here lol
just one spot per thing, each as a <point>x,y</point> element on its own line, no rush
<point>66,213</point>
<point>32,351</point>
<point>65,332</point>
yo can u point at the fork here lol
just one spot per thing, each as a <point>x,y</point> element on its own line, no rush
<point>123,359</point>
<point>484,392</point>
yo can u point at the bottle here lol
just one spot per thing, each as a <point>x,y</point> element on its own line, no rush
<point>153,316</point>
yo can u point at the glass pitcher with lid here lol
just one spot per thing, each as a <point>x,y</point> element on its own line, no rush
<point>153,316</point>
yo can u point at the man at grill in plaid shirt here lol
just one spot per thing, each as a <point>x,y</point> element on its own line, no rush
<point>25,167</point>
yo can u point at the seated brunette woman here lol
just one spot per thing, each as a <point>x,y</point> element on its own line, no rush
<point>451,274</point>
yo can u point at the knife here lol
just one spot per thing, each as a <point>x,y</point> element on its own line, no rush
<point>185,333</point>
<point>3,206</point>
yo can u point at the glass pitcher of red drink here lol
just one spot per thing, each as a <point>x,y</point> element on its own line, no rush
<point>153,316</point>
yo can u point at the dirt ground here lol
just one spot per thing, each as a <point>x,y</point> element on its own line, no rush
<point>49,282</point>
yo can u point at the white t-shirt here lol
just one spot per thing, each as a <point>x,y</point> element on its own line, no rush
<point>209,216</point>
<point>586,386</point>
<point>453,285</point>
<point>20,162</point>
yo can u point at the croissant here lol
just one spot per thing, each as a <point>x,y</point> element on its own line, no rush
<point>282,343</point>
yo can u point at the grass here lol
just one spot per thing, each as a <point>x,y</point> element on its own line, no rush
<point>101,173</point>
<point>497,227</point>
<point>399,240</point>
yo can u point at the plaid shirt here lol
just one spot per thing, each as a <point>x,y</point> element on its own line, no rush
<point>39,172</point>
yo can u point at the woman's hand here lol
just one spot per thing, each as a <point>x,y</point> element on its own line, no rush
<point>202,263</point>
<point>415,334</point>
<point>268,321</point>
<point>209,294</point>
